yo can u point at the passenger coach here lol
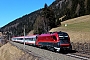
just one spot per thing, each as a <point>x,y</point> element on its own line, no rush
<point>28,39</point>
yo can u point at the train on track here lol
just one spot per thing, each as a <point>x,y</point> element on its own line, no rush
<point>54,41</point>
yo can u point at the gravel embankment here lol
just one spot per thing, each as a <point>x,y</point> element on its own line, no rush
<point>45,54</point>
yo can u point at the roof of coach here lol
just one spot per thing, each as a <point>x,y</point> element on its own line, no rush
<point>26,36</point>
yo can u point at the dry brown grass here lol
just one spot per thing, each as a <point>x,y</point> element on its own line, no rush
<point>9,52</point>
<point>0,44</point>
<point>77,28</point>
<point>77,20</point>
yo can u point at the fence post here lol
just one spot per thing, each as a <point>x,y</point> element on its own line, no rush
<point>78,46</point>
<point>89,47</point>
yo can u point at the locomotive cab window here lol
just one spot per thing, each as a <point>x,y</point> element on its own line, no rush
<point>54,37</point>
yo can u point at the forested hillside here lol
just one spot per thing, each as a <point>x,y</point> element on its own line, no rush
<point>48,17</point>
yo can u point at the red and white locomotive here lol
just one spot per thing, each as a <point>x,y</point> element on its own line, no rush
<point>54,41</point>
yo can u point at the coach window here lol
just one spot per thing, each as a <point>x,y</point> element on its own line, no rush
<point>27,39</point>
<point>34,39</point>
<point>31,39</point>
<point>21,38</point>
<point>14,39</point>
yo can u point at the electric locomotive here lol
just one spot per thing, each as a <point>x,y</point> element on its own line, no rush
<point>54,41</point>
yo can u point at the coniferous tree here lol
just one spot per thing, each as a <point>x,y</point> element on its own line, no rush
<point>38,26</point>
<point>88,7</point>
<point>45,21</point>
<point>49,17</point>
<point>82,7</point>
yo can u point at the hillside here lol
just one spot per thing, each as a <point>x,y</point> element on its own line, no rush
<point>70,8</point>
<point>9,52</point>
<point>78,28</point>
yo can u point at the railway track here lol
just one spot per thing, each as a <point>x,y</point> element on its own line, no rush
<point>79,56</point>
<point>48,55</point>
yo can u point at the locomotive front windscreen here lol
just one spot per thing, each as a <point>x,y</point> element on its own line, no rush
<point>64,38</point>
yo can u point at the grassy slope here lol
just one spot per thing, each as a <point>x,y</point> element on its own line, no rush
<point>9,52</point>
<point>77,28</point>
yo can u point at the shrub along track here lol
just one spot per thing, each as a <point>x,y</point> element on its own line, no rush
<point>48,55</point>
